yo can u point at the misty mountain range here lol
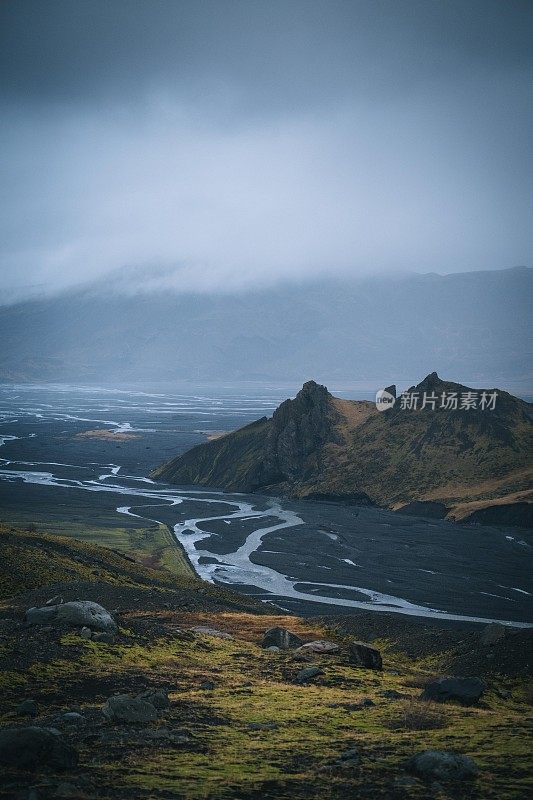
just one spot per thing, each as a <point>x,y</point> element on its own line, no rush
<point>475,326</point>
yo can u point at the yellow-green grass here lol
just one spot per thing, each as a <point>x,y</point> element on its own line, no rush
<point>256,686</point>
<point>152,545</point>
<point>31,559</point>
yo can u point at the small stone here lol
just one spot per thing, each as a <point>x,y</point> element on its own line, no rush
<point>442,765</point>
<point>86,633</point>
<point>392,694</point>
<point>273,649</point>
<point>157,697</point>
<point>364,655</point>
<point>207,685</point>
<point>282,638</point>
<point>28,708</point>
<point>466,691</point>
<point>319,646</point>
<point>123,708</point>
<point>35,748</point>
<point>308,674</point>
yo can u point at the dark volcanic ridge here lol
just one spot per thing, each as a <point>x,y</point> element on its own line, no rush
<point>464,463</point>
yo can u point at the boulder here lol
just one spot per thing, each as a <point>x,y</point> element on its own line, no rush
<point>364,655</point>
<point>124,708</point>
<point>35,748</point>
<point>442,765</point>
<point>282,638</point>
<point>157,697</point>
<point>319,646</point>
<point>308,674</point>
<point>466,691</point>
<point>78,614</point>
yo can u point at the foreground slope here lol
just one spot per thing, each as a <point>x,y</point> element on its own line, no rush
<point>239,724</point>
<point>460,462</point>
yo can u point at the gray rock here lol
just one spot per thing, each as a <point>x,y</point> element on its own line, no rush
<point>282,638</point>
<point>319,646</point>
<point>206,631</point>
<point>157,697</point>
<point>392,694</point>
<point>442,765</point>
<point>78,613</point>
<point>86,633</point>
<point>28,708</point>
<point>123,708</point>
<point>103,636</point>
<point>207,685</point>
<point>308,674</point>
<point>364,655</point>
<point>273,649</point>
<point>35,748</point>
<point>492,633</point>
<point>466,691</point>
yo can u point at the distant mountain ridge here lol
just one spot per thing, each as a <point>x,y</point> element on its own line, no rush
<point>474,463</point>
<point>474,325</point>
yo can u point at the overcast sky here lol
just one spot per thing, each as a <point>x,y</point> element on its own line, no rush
<point>226,144</point>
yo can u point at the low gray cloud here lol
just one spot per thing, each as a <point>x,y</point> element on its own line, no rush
<point>226,145</point>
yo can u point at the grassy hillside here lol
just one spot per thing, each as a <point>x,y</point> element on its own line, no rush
<point>33,559</point>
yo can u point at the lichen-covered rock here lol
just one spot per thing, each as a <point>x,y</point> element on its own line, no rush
<point>157,697</point>
<point>77,613</point>
<point>442,765</point>
<point>282,638</point>
<point>466,691</point>
<point>124,708</point>
<point>34,748</point>
<point>364,655</point>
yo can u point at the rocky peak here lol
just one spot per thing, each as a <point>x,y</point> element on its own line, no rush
<point>300,428</point>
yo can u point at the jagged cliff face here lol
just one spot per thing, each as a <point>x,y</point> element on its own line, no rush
<point>451,461</point>
<point>299,431</point>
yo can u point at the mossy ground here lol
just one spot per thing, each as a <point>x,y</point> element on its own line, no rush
<point>220,755</point>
